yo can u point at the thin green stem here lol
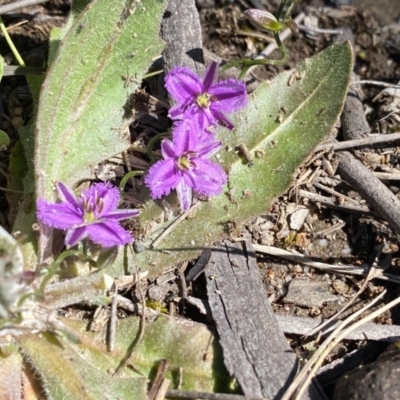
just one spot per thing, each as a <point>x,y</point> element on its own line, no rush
<point>280,9</point>
<point>246,63</point>
<point>11,44</point>
<point>154,73</point>
<point>153,141</point>
<point>126,177</point>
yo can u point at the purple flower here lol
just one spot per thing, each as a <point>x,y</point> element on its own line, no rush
<point>204,101</point>
<point>186,166</point>
<point>94,214</point>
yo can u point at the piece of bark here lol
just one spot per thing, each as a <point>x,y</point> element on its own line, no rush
<point>181,31</point>
<point>255,349</point>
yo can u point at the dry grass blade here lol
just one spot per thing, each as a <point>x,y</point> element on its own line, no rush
<point>370,276</point>
<point>308,372</point>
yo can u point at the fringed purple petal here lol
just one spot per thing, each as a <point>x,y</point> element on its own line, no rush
<point>76,235</point>
<point>230,95</point>
<point>189,178</point>
<point>184,137</point>
<point>66,194</point>
<point>210,75</point>
<point>185,195</point>
<point>120,215</point>
<point>202,118</point>
<point>223,119</point>
<point>210,178</point>
<point>168,149</point>
<point>108,193</point>
<point>162,178</point>
<point>58,215</point>
<point>176,112</point>
<point>108,234</point>
<point>208,146</point>
<point>182,83</point>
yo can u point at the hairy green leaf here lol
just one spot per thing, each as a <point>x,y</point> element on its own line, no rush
<point>283,122</point>
<point>66,374</point>
<point>83,369</point>
<point>101,59</point>
<point>11,376</point>
<point>4,140</point>
<point>185,344</point>
<point>11,267</point>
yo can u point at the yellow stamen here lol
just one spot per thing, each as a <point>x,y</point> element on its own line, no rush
<point>203,100</point>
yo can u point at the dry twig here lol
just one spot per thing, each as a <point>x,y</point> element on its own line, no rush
<point>368,141</point>
<point>337,269</point>
<point>17,5</point>
<point>182,394</point>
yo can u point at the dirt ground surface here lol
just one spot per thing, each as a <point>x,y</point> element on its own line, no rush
<point>332,235</point>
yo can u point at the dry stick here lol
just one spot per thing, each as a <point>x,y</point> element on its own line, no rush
<point>182,394</point>
<point>360,142</point>
<point>17,5</point>
<point>376,83</point>
<point>371,189</point>
<point>330,203</point>
<point>317,355</point>
<point>355,126</point>
<point>163,389</point>
<point>158,380</point>
<point>354,123</point>
<point>340,269</point>
<point>335,193</point>
<point>10,70</point>
<point>319,30</point>
<point>330,230</point>
<point>388,176</point>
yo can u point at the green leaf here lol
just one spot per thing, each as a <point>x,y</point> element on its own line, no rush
<point>185,344</point>
<point>11,267</point>
<point>283,122</point>
<point>57,33</point>
<point>11,375</point>
<point>101,59</point>
<point>4,140</point>
<point>82,370</point>
<point>66,374</point>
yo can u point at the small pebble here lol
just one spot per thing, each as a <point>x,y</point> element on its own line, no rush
<point>347,250</point>
<point>323,243</point>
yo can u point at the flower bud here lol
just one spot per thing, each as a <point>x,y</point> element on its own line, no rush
<point>263,20</point>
